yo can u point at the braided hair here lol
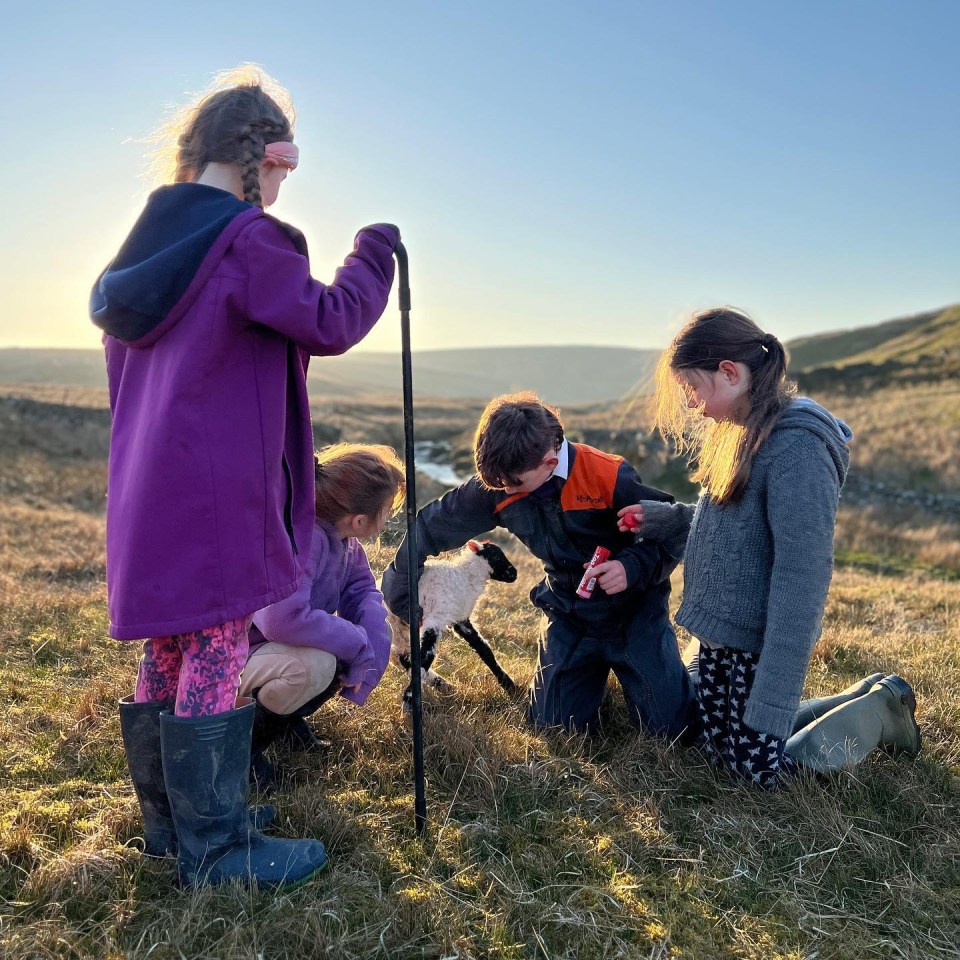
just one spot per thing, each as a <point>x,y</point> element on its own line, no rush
<point>232,123</point>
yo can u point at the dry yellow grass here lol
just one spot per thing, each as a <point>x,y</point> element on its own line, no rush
<point>538,846</point>
<point>907,436</point>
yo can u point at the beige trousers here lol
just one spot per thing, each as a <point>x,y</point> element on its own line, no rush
<point>287,677</point>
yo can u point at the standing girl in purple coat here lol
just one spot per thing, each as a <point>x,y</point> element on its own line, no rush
<point>210,316</point>
<point>331,636</point>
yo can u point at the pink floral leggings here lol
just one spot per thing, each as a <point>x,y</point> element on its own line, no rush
<point>202,669</point>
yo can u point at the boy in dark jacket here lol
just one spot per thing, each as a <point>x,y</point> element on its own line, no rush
<point>561,500</point>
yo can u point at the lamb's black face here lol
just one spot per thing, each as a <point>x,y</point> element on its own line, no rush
<point>500,567</point>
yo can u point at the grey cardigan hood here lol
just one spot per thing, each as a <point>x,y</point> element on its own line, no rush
<point>806,414</point>
<point>756,572</point>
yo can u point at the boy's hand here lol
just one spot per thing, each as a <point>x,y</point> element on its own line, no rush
<point>630,518</point>
<point>611,577</point>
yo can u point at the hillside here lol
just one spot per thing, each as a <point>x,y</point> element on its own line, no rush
<point>903,340</point>
<point>562,374</point>
<point>935,339</point>
<point>925,345</point>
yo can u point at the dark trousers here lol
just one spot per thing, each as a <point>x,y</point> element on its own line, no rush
<point>726,678</point>
<point>575,662</point>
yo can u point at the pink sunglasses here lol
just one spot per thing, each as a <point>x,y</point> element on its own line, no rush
<point>282,154</point>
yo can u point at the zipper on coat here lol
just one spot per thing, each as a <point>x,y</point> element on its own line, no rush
<point>288,505</point>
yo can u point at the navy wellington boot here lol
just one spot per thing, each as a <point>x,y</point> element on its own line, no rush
<point>206,762</point>
<point>267,727</point>
<point>290,730</point>
<point>297,737</point>
<point>140,727</point>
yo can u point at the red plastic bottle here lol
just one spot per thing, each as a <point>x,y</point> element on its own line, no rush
<point>589,581</point>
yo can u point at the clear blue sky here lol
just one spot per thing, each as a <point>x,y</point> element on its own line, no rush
<point>562,172</point>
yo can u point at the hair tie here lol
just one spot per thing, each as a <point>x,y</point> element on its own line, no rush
<point>767,341</point>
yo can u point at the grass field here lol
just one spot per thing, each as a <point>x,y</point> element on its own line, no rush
<point>538,845</point>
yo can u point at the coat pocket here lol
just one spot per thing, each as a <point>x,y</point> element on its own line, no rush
<point>288,504</point>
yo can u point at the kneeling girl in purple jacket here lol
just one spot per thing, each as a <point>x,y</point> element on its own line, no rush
<point>331,635</point>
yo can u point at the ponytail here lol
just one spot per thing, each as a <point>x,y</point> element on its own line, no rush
<point>724,450</point>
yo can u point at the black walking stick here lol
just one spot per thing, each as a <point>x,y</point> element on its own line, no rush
<point>413,556</point>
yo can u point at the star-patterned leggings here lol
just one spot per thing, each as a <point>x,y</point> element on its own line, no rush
<point>201,669</point>
<point>726,678</point>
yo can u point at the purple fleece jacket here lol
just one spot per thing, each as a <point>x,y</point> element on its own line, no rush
<point>210,498</point>
<point>336,608</point>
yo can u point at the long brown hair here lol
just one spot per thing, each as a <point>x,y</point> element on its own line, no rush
<point>243,111</point>
<point>357,478</point>
<point>723,450</point>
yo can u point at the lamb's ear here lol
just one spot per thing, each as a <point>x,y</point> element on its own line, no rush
<point>474,546</point>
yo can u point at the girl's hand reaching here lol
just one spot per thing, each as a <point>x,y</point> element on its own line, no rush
<point>630,519</point>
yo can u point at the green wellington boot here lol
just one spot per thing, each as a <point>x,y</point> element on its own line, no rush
<point>140,727</point>
<point>882,717</point>
<point>809,710</point>
<point>206,763</point>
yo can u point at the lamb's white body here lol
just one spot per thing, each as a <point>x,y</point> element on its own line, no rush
<point>448,591</point>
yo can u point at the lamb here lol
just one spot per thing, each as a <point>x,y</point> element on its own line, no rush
<point>448,591</point>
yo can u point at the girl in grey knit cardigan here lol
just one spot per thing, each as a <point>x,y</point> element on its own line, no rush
<point>758,555</point>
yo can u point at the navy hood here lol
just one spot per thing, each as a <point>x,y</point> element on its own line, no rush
<point>805,414</point>
<point>160,257</point>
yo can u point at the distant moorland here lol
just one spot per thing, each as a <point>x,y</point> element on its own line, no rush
<point>566,374</point>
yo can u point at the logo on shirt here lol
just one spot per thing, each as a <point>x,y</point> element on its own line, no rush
<point>586,498</point>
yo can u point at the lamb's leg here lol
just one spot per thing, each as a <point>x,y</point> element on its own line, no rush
<point>470,633</point>
<point>428,652</point>
<point>430,678</point>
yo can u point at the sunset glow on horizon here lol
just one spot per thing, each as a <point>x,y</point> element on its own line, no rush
<point>559,173</point>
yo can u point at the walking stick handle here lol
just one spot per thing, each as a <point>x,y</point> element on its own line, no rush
<point>403,276</point>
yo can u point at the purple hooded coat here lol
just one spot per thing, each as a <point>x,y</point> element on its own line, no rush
<point>211,313</point>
